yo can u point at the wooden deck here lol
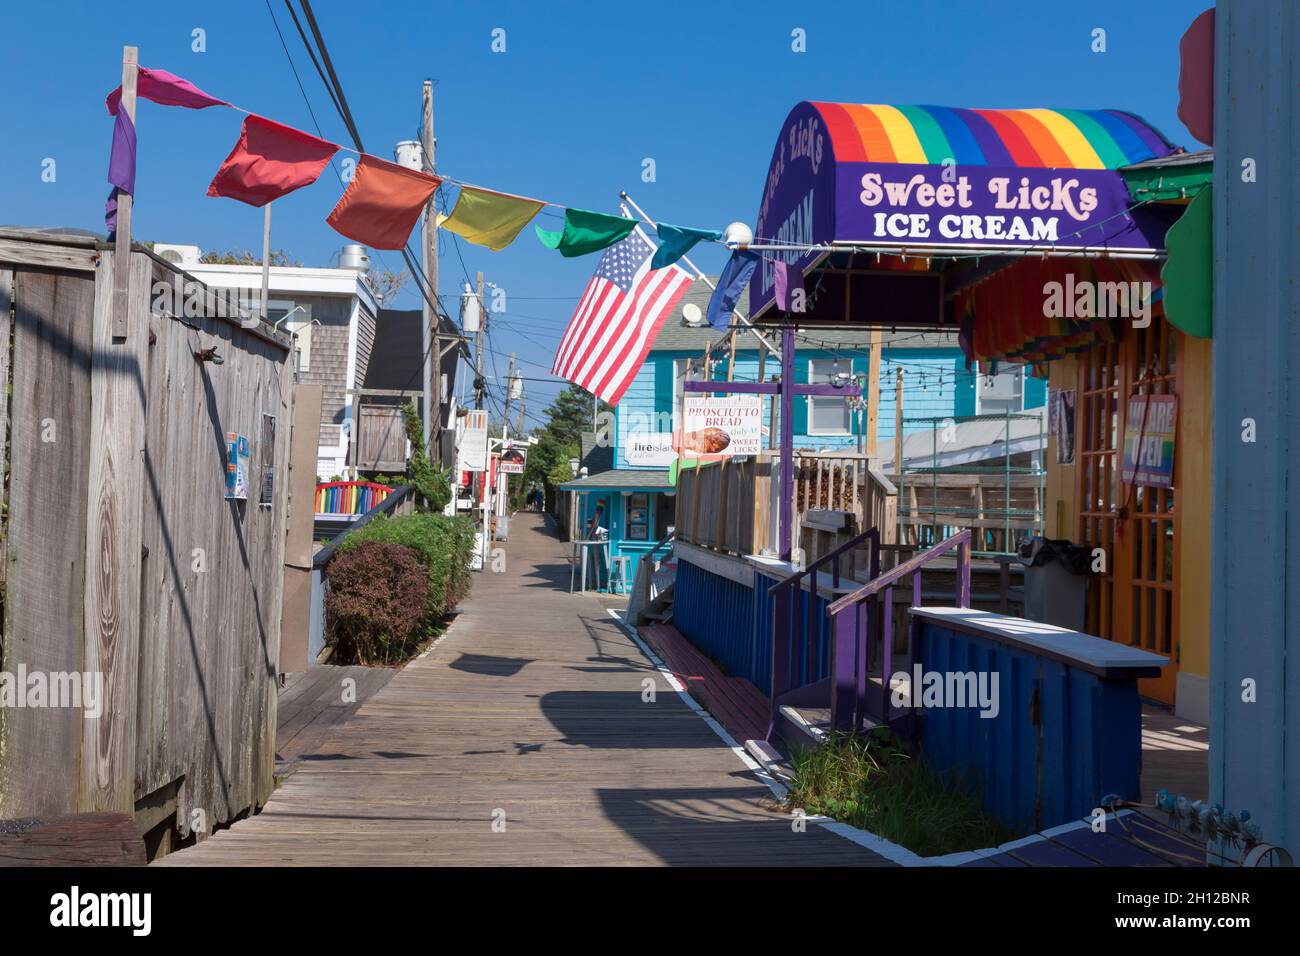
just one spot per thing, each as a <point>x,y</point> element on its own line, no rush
<point>523,738</point>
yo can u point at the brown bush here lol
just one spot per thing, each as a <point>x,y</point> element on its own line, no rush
<point>377,604</point>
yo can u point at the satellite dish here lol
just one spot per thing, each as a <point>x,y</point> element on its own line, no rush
<point>738,234</point>
<point>692,314</point>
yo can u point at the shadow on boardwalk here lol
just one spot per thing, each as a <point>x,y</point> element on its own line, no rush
<point>524,737</point>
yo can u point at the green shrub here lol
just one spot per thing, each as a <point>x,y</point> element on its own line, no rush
<point>377,603</point>
<point>444,545</point>
<point>871,781</point>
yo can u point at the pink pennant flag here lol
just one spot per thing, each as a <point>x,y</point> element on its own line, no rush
<point>165,89</point>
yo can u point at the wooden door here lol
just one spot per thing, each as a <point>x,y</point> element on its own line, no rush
<point>1136,600</point>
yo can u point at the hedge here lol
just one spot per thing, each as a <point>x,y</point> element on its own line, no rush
<point>444,544</point>
<point>377,602</point>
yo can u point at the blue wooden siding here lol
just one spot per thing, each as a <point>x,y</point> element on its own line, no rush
<point>732,623</point>
<point>1090,731</point>
<point>935,385</point>
<point>716,614</point>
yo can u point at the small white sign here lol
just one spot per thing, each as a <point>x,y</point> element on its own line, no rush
<point>650,449</point>
<point>721,427</point>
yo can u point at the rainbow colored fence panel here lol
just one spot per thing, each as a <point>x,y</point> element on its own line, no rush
<point>353,498</point>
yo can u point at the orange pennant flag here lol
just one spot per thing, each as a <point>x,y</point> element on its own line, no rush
<point>382,203</point>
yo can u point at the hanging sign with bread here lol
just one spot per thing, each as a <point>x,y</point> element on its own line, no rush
<point>721,427</point>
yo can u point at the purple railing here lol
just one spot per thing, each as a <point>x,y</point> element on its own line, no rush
<point>852,636</point>
<point>785,613</point>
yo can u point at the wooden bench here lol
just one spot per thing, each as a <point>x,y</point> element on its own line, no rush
<point>81,839</point>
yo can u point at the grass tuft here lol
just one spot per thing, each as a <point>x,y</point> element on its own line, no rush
<point>871,781</point>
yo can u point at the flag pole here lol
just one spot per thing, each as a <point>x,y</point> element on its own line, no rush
<point>700,274</point>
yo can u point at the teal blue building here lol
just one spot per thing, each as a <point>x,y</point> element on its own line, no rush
<point>626,487</point>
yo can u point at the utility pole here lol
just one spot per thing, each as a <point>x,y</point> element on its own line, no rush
<point>433,340</point>
<point>478,343</point>
<point>510,388</point>
<point>523,402</point>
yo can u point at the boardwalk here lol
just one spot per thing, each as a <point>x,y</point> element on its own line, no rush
<point>521,739</point>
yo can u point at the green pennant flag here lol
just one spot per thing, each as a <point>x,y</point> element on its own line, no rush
<point>586,232</point>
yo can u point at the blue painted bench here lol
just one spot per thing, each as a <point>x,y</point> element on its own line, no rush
<point>1067,729</point>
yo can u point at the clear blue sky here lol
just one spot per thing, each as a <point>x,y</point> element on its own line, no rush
<point>583,93</point>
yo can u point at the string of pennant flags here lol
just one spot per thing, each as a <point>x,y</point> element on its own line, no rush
<point>383,201</point>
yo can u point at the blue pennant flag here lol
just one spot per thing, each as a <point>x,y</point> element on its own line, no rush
<point>676,241</point>
<point>735,276</point>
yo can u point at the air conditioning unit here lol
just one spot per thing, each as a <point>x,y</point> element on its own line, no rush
<point>183,256</point>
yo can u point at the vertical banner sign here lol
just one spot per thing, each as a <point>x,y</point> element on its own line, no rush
<point>474,442</point>
<point>237,453</point>
<point>722,427</point>
<point>1149,440</point>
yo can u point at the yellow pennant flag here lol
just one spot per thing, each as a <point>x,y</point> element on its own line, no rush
<point>489,219</point>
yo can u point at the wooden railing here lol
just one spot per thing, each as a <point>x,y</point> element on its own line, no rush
<point>726,505</point>
<point>643,591</point>
<point>787,653</point>
<point>853,627</point>
<point>731,505</point>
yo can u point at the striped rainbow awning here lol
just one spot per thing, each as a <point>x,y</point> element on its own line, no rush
<point>1062,139</point>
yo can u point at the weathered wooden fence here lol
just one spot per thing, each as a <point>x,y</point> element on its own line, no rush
<point>123,561</point>
<point>731,505</point>
<point>726,505</point>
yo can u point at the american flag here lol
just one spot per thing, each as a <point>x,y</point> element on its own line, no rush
<point>621,311</point>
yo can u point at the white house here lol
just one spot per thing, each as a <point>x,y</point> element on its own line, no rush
<point>331,312</point>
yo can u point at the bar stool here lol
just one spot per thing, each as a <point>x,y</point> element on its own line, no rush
<point>620,573</point>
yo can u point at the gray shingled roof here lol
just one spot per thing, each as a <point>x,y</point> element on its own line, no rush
<point>621,478</point>
<point>676,336</point>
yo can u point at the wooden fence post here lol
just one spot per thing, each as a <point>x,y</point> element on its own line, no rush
<point>114,523</point>
<point>122,246</point>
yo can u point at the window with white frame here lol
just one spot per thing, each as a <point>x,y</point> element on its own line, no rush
<point>828,414</point>
<point>297,322</point>
<point>1001,393</point>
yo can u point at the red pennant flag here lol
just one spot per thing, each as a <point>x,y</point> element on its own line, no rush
<point>165,89</point>
<point>382,203</point>
<point>270,161</point>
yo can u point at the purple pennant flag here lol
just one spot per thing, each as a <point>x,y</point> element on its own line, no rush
<point>787,281</point>
<point>121,167</point>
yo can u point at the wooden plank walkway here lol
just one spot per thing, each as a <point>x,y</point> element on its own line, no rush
<point>523,738</point>
<point>315,701</point>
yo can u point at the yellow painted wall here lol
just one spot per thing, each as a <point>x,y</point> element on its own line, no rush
<point>1059,503</point>
<point>1193,481</point>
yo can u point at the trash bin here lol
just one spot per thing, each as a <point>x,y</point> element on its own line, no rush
<point>1056,581</point>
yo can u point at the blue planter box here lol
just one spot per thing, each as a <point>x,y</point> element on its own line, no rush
<point>1068,727</point>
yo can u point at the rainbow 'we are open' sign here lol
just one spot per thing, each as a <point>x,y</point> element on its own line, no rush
<point>1149,440</point>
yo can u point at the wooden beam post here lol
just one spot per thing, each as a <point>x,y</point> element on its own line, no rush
<point>114,523</point>
<point>873,395</point>
<point>122,246</point>
<point>898,423</point>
